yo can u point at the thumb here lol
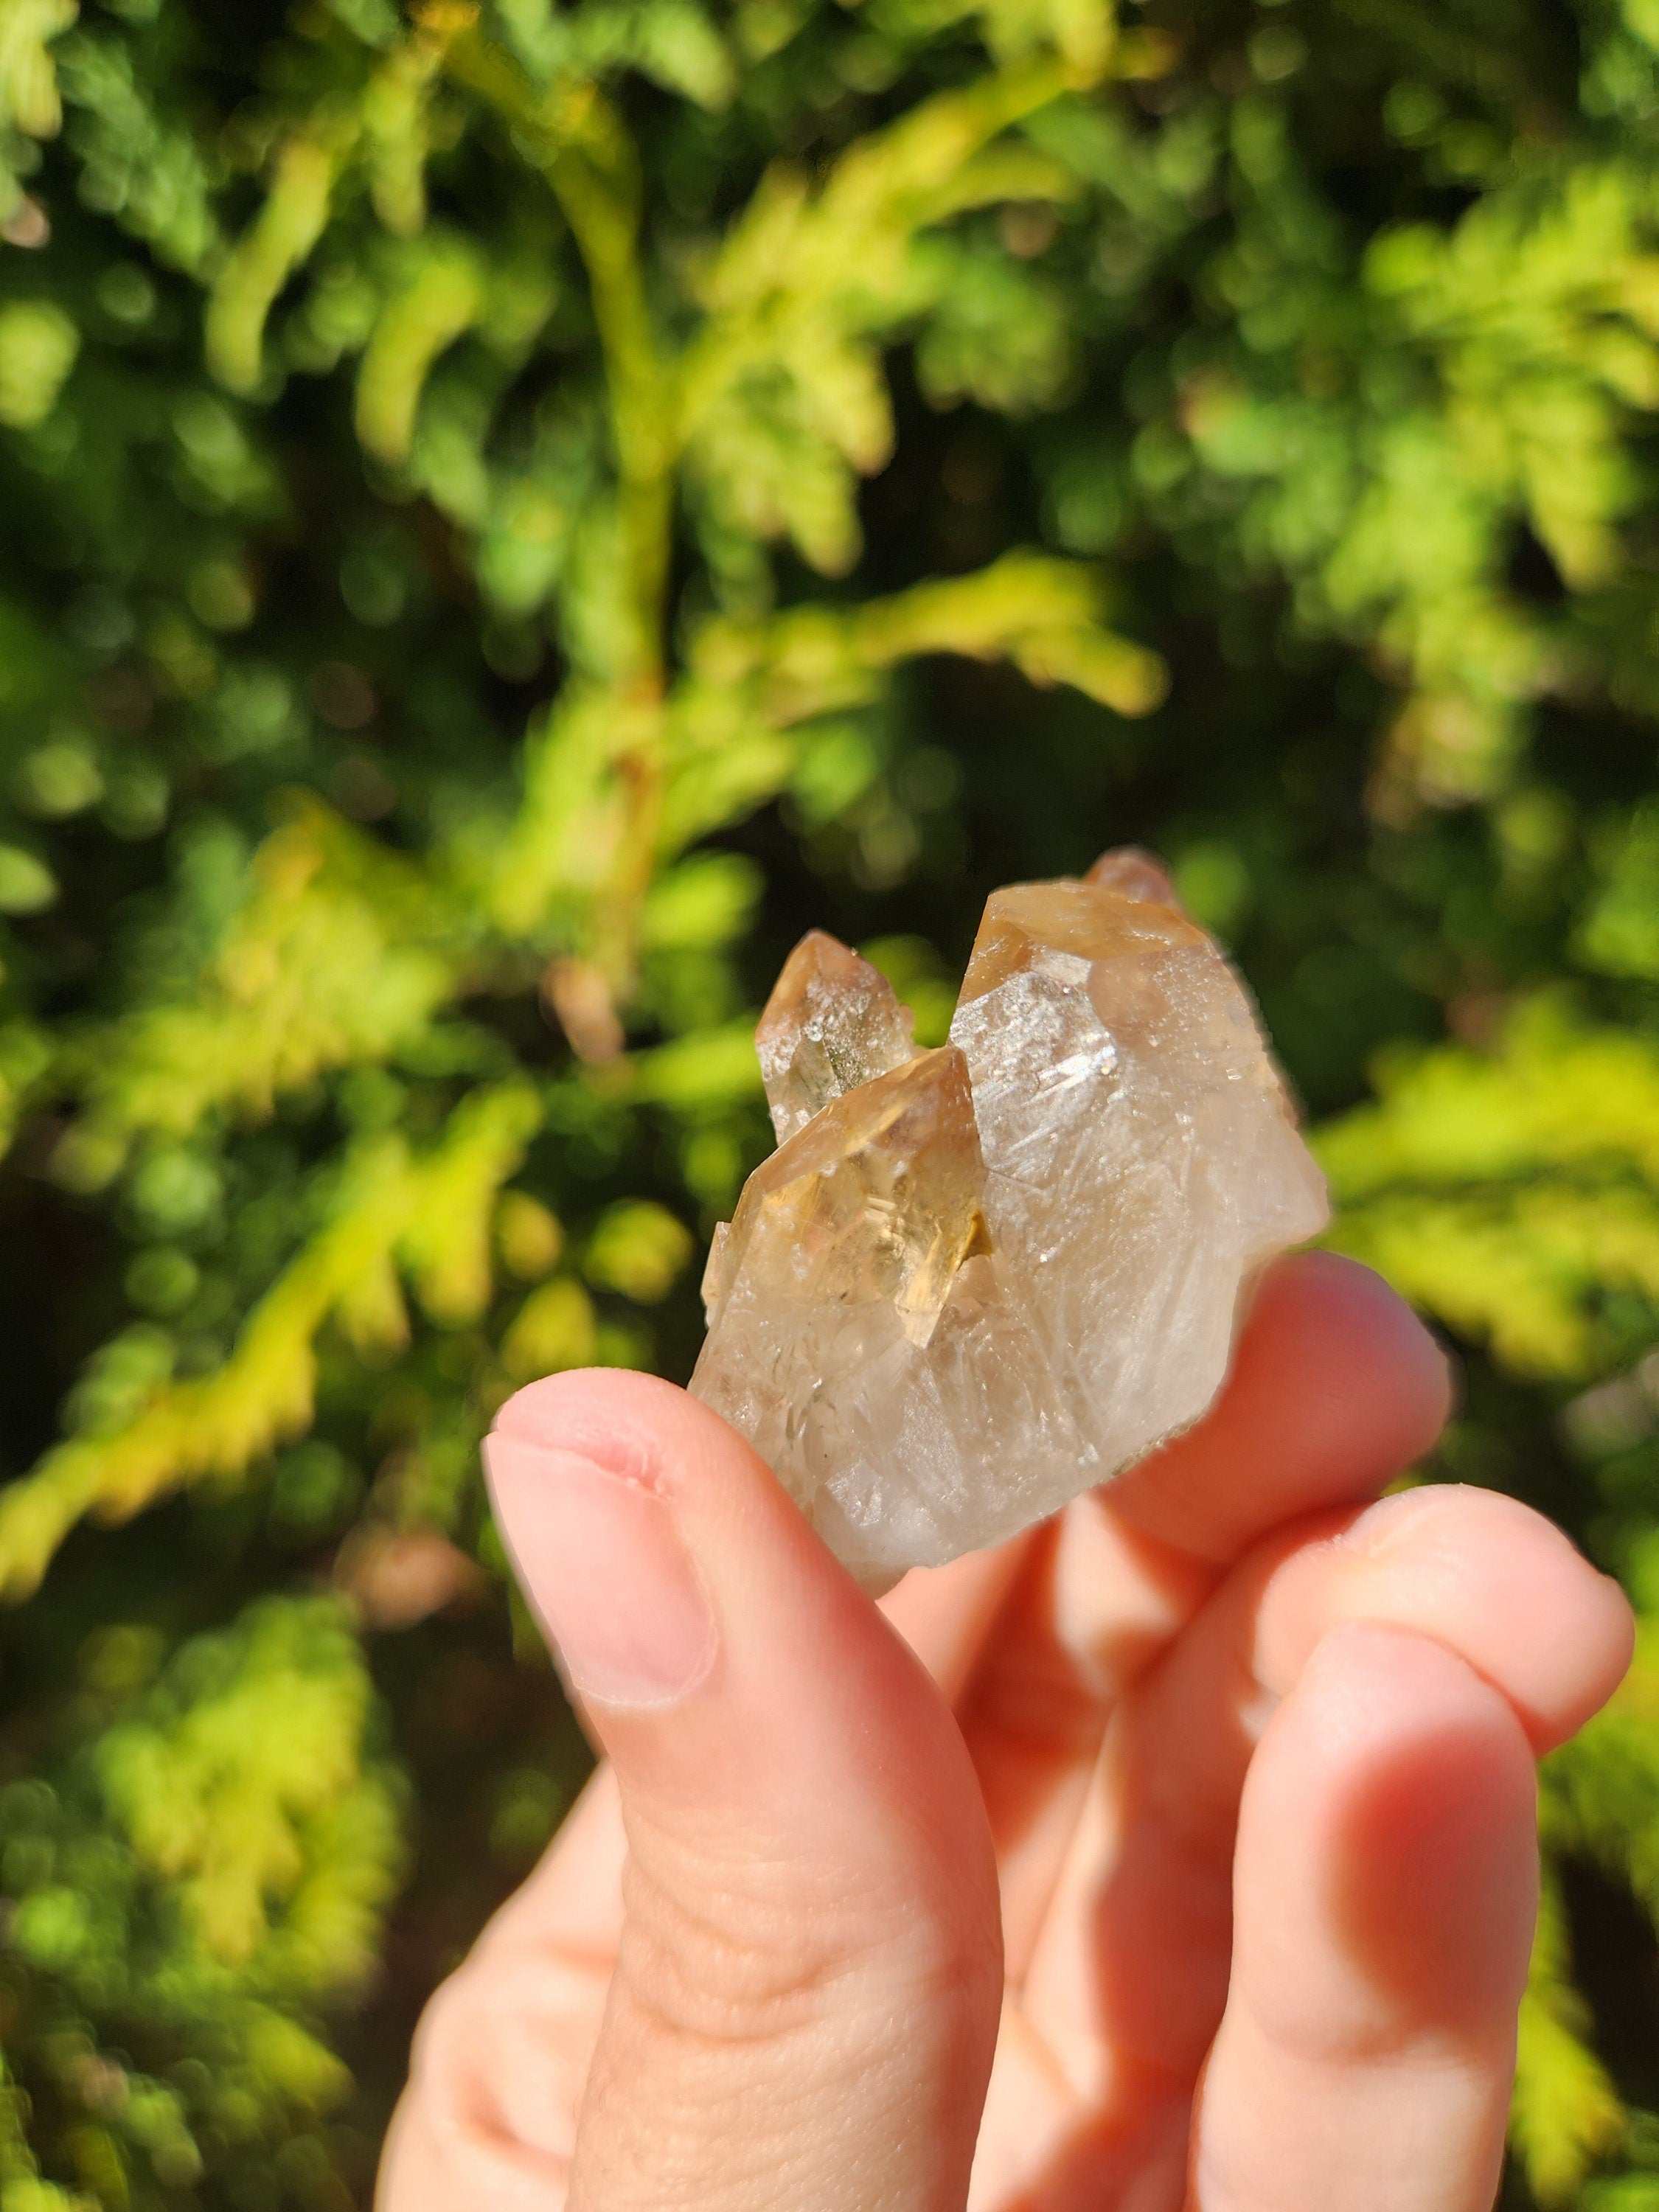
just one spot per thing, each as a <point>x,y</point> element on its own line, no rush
<point>805,2002</point>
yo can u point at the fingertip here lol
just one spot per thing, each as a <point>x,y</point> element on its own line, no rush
<point>1483,1575</point>
<point>750,1543</point>
<point>589,1409</point>
<point>1605,1644</point>
<point>631,1511</point>
<point>655,1435</point>
<point>1554,1631</point>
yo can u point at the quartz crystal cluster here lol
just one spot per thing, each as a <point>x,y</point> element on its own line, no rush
<point>972,1282</point>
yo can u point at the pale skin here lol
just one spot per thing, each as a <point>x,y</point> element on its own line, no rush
<point>1178,1856</point>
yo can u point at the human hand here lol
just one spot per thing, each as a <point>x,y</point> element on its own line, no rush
<point>1197,1824</point>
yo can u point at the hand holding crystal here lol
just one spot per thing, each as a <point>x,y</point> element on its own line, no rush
<point>1175,1855</point>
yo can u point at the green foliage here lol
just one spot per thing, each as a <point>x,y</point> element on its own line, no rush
<point>518,509</point>
<point>1567,2111</point>
<point>1515,1191</point>
<point>200,1866</point>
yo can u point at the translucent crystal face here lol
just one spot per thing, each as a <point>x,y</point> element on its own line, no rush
<point>832,1022</point>
<point>1028,924</point>
<point>970,1285</point>
<point>851,1291</point>
<point>1142,1155</point>
<point>876,1200</point>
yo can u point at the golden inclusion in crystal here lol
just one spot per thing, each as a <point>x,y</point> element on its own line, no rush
<point>876,1199</point>
<point>972,1282</point>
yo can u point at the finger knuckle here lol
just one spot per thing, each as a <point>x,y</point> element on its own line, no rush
<point>762,1950</point>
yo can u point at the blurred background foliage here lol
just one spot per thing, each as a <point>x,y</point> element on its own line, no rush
<point>511,511</point>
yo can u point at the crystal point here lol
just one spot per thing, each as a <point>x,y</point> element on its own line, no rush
<point>1133,874</point>
<point>970,1284</point>
<point>832,1022</point>
<point>840,1262</point>
<point>1142,1153</point>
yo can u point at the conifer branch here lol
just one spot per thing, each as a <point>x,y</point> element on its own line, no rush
<point>581,146</point>
<point>435,1211</point>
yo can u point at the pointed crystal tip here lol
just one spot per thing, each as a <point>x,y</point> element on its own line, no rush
<point>879,1199</point>
<point>832,1022</point>
<point>1134,873</point>
<point>1028,924</point>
